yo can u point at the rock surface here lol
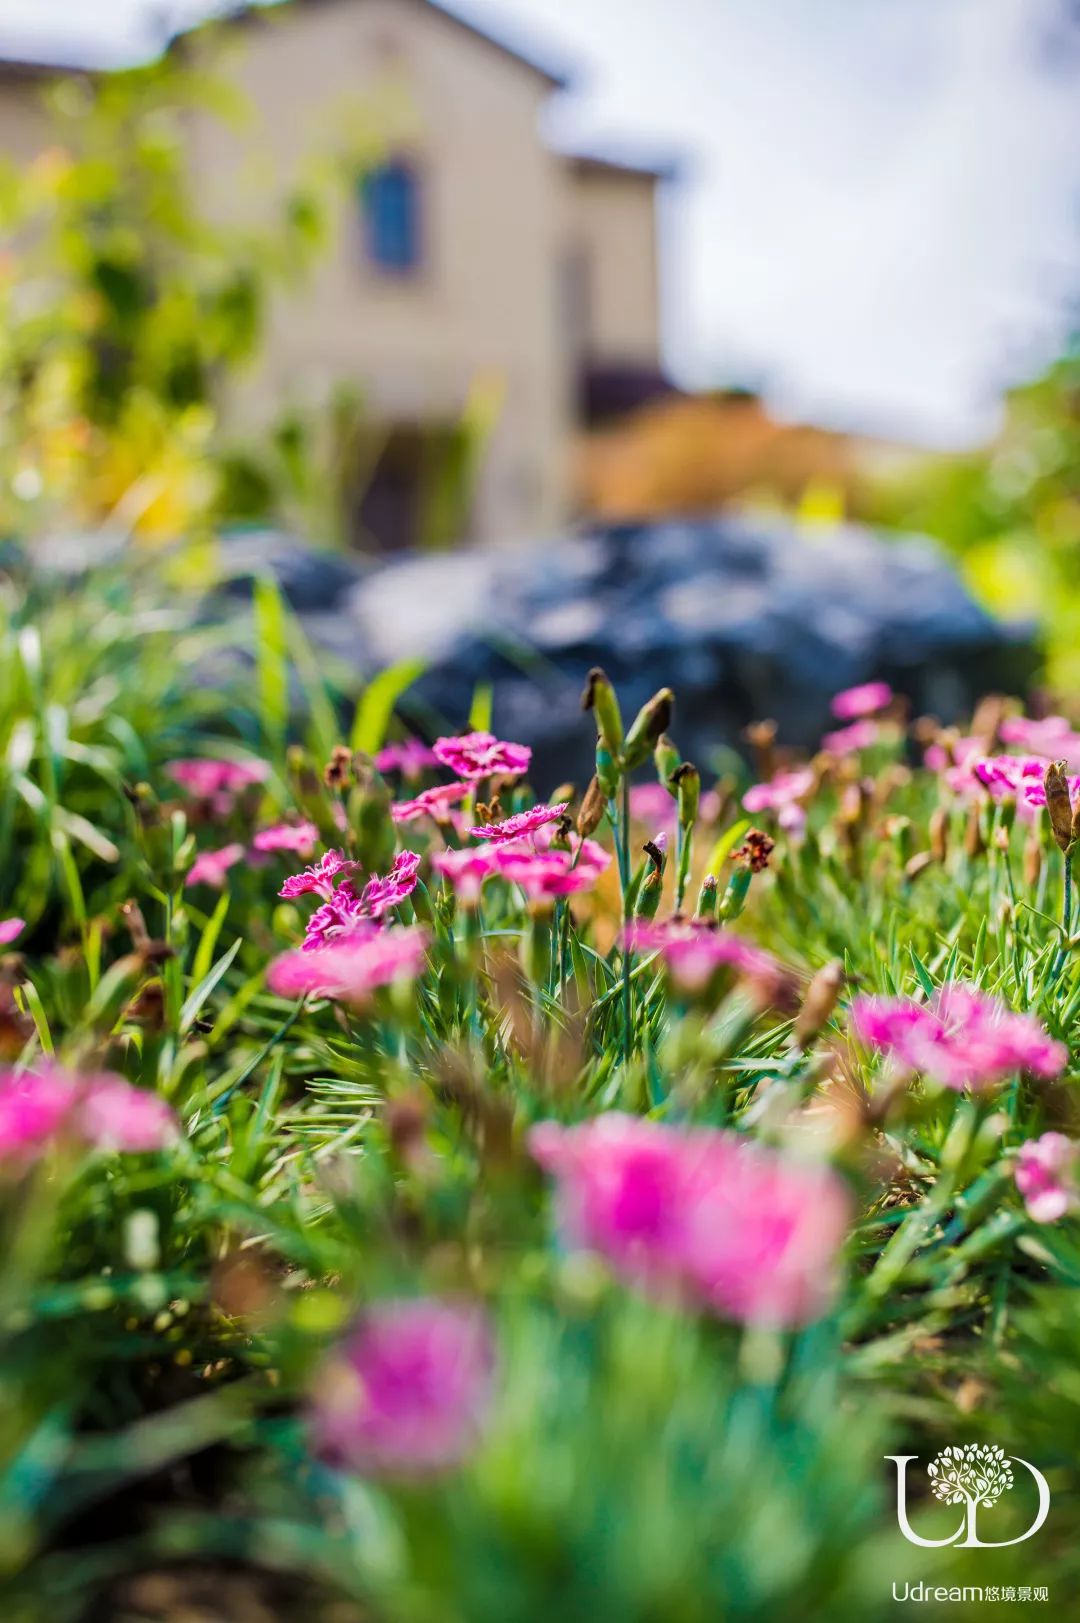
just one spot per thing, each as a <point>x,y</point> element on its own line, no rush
<point>743,617</point>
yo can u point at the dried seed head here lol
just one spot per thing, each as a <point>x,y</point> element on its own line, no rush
<point>761,736</point>
<point>656,853</point>
<point>939,834</point>
<point>1059,805</point>
<point>756,850</point>
<point>974,838</point>
<point>821,999</point>
<point>918,864</point>
<point>338,773</point>
<point>592,809</point>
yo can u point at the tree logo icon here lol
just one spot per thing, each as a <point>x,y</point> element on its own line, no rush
<point>970,1473</point>
<point>974,1475</point>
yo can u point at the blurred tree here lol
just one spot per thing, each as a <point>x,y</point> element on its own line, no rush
<point>121,308</point>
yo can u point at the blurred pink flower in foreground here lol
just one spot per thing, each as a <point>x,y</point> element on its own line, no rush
<point>962,1037</point>
<point>1015,777</point>
<point>299,839</point>
<point>701,1212</point>
<point>408,1391</point>
<point>104,1111</point>
<point>113,1115</point>
<point>784,794</point>
<point>481,755</point>
<point>320,879</point>
<point>211,867</point>
<point>351,968</point>
<point>695,951</point>
<point>1046,1176</point>
<point>865,700</point>
<point>467,869</point>
<point>11,930</point>
<point>861,735</point>
<point>1051,737</point>
<point>410,757</point>
<point>434,803</point>
<point>522,823</point>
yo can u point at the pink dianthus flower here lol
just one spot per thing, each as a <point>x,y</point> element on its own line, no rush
<point>1046,1176</point>
<point>320,879</point>
<point>521,824</point>
<point>11,930</point>
<point>300,839</point>
<point>211,867</point>
<point>962,1037</point>
<point>474,756</point>
<point>433,803</point>
<point>865,700</point>
<point>350,969</point>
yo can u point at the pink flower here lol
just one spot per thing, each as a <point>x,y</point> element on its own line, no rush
<point>696,951</point>
<point>429,803</point>
<point>411,758</point>
<point>216,782</point>
<point>1045,1176</point>
<point>113,1115</point>
<point>783,794</point>
<point>381,894</point>
<point>865,700</point>
<point>11,930</point>
<point>861,735</point>
<point>650,803</point>
<point>298,838</point>
<point>105,1112</point>
<point>320,879</point>
<point>962,1037</point>
<point>700,1213</point>
<point>481,755</point>
<point>544,871</point>
<point>351,968</point>
<point>211,867</point>
<point>33,1107</point>
<point>342,915</point>
<point>408,1391</point>
<point>523,823</point>
<point>1052,738</point>
<point>467,869</point>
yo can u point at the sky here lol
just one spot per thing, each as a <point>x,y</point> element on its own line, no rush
<point>877,219</point>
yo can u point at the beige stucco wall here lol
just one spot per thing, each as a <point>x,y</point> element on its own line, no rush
<point>612,226</point>
<point>484,302</point>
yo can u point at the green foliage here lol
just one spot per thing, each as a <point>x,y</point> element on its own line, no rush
<point>164,1316</point>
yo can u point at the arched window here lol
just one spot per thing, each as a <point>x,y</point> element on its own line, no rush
<point>390,201</point>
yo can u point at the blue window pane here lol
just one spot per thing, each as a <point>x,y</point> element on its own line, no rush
<point>391,206</point>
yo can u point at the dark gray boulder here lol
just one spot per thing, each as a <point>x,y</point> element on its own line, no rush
<point>743,617</point>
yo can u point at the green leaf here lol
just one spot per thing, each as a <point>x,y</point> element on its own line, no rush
<point>377,703</point>
<point>271,661</point>
<point>198,997</point>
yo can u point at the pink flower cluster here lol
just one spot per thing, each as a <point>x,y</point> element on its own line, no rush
<point>695,951</point>
<point>1051,737</point>
<point>865,700</point>
<point>542,870</point>
<point>523,823</point>
<point>408,1391</point>
<point>1046,1170</point>
<point>702,1213</point>
<point>962,1037</point>
<point>474,756</point>
<point>320,878</point>
<point>785,795</point>
<point>353,966</point>
<point>1018,777</point>
<point>102,1111</point>
<point>346,910</point>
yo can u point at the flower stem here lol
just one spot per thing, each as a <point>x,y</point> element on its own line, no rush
<point>624,841</point>
<point>1066,916</point>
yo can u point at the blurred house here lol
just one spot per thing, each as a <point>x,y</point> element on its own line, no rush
<point>478,279</point>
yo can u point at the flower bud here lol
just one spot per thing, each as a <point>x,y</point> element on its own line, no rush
<point>668,760</point>
<point>599,697</point>
<point>707,898</point>
<point>736,893</point>
<point>649,894</point>
<point>687,782</point>
<point>651,720</point>
<point>1059,805</point>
